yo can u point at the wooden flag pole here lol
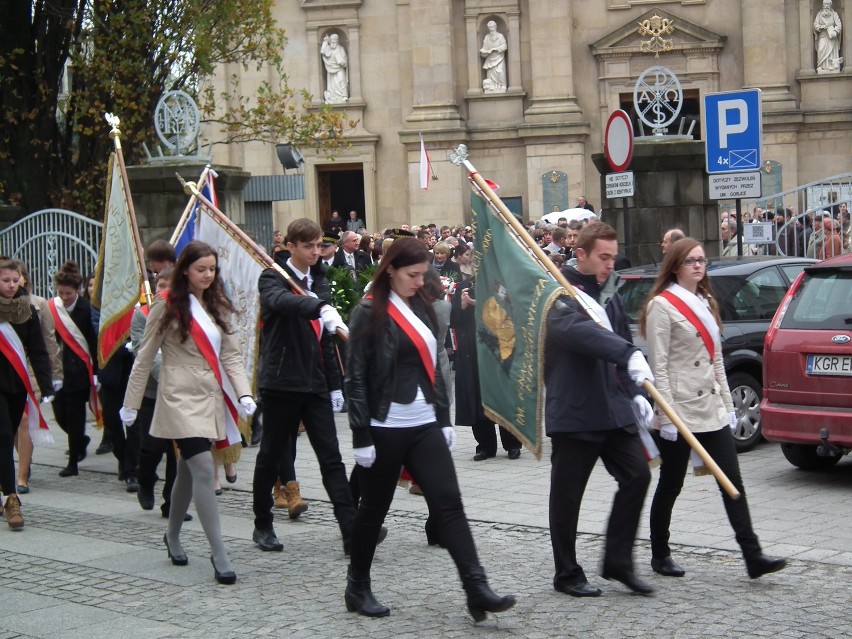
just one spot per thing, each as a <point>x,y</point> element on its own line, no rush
<point>115,134</point>
<point>190,205</point>
<point>498,206</point>
<point>190,188</point>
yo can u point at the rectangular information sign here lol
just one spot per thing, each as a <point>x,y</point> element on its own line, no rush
<point>734,186</point>
<point>758,233</point>
<point>619,184</point>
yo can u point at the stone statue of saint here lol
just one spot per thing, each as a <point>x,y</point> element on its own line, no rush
<point>494,51</point>
<point>336,71</point>
<point>827,29</point>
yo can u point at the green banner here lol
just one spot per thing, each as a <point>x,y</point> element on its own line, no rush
<point>513,296</point>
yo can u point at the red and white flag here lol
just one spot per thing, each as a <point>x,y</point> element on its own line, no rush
<point>425,165</point>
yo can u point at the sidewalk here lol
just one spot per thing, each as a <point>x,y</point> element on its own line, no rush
<point>91,564</point>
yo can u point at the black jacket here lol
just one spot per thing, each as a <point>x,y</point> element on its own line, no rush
<point>371,372</point>
<point>585,366</point>
<point>74,369</point>
<point>291,358</point>
<point>33,342</point>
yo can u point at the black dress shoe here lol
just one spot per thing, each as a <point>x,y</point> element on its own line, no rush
<point>177,560</point>
<point>515,453</point>
<point>224,578</point>
<point>763,565</point>
<point>104,448</point>
<point>145,495</point>
<point>667,567</point>
<point>629,579</point>
<point>582,589</point>
<point>69,471</point>
<point>131,484</point>
<point>483,456</point>
<point>165,512</point>
<point>266,540</point>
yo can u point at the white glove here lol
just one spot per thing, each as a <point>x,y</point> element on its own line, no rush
<point>638,369</point>
<point>57,385</point>
<point>669,432</point>
<point>733,420</point>
<point>248,404</point>
<point>331,319</point>
<point>127,415</point>
<point>450,436</point>
<point>336,400</point>
<point>96,382</point>
<point>643,411</point>
<point>46,399</point>
<point>365,457</point>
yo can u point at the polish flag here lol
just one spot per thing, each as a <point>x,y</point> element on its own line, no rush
<point>425,166</point>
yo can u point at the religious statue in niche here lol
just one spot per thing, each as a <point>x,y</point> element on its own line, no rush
<point>494,51</point>
<point>827,30</point>
<point>336,70</point>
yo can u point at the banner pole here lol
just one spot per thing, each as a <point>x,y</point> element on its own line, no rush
<point>257,251</point>
<point>185,216</point>
<point>499,207</point>
<point>115,134</point>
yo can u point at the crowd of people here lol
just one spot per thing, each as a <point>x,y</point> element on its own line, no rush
<point>179,390</point>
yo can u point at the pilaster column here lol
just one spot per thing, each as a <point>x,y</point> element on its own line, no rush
<point>765,45</point>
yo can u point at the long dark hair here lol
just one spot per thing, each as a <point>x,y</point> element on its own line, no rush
<point>215,300</point>
<point>673,260</point>
<point>406,251</point>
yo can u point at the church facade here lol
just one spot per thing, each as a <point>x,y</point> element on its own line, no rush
<point>528,86</point>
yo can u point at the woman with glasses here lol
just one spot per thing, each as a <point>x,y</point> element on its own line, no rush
<point>682,326</point>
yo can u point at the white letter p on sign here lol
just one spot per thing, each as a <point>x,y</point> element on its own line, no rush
<point>726,129</point>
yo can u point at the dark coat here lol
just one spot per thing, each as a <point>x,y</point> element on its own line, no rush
<point>291,358</point>
<point>74,369</point>
<point>463,323</point>
<point>371,372</point>
<point>29,332</point>
<point>585,366</point>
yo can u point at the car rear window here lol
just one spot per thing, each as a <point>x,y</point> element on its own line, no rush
<point>633,292</point>
<point>823,301</point>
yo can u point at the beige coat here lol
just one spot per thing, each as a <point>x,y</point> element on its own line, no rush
<point>693,384</point>
<point>190,402</point>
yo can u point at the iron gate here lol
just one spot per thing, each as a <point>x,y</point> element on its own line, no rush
<point>46,239</point>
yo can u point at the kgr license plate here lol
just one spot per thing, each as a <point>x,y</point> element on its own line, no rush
<point>829,365</point>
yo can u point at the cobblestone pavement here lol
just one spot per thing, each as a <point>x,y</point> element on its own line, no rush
<point>90,563</point>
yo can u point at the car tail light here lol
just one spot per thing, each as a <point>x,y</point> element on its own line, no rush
<point>782,310</point>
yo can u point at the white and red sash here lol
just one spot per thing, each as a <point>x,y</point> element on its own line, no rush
<point>417,332</point>
<point>13,350</point>
<point>696,313</point>
<point>208,339</point>
<point>74,339</point>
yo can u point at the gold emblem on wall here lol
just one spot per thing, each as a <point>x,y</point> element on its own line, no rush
<point>656,27</point>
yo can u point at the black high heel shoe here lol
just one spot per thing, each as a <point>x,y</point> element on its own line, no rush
<point>224,578</point>
<point>177,560</point>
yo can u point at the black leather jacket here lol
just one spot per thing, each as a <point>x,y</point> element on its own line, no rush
<point>371,372</point>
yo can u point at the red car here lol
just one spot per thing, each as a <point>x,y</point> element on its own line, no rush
<point>807,367</point>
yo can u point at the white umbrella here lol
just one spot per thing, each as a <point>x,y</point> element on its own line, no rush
<point>568,214</point>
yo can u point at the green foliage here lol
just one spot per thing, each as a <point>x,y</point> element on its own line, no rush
<point>347,291</point>
<point>124,54</point>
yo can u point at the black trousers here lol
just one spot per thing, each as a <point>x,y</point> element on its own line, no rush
<point>424,453</point>
<point>282,413</point>
<point>69,408</point>
<point>11,410</point>
<point>125,447</point>
<point>675,455</point>
<point>486,437</point>
<point>572,463</point>
<point>151,451</point>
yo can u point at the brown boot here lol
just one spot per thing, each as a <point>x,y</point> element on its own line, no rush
<point>295,504</point>
<point>12,509</point>
<point>278,495</point>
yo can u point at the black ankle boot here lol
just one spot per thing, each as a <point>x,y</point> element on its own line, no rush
<point>480,598</point>
<point>359,598</point>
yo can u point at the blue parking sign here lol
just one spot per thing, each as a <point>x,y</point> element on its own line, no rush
<point>733,131</point>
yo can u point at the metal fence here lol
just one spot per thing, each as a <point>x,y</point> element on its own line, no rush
<point>46,239</point>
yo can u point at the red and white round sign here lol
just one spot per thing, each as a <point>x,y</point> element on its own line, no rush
<point>618,141</point>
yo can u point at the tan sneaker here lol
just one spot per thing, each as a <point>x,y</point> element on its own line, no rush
<point>295,504</point>
<point>12,509</point>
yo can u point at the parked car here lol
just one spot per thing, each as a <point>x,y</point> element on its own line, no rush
<point>808,367</point>
<point>748,290</point>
